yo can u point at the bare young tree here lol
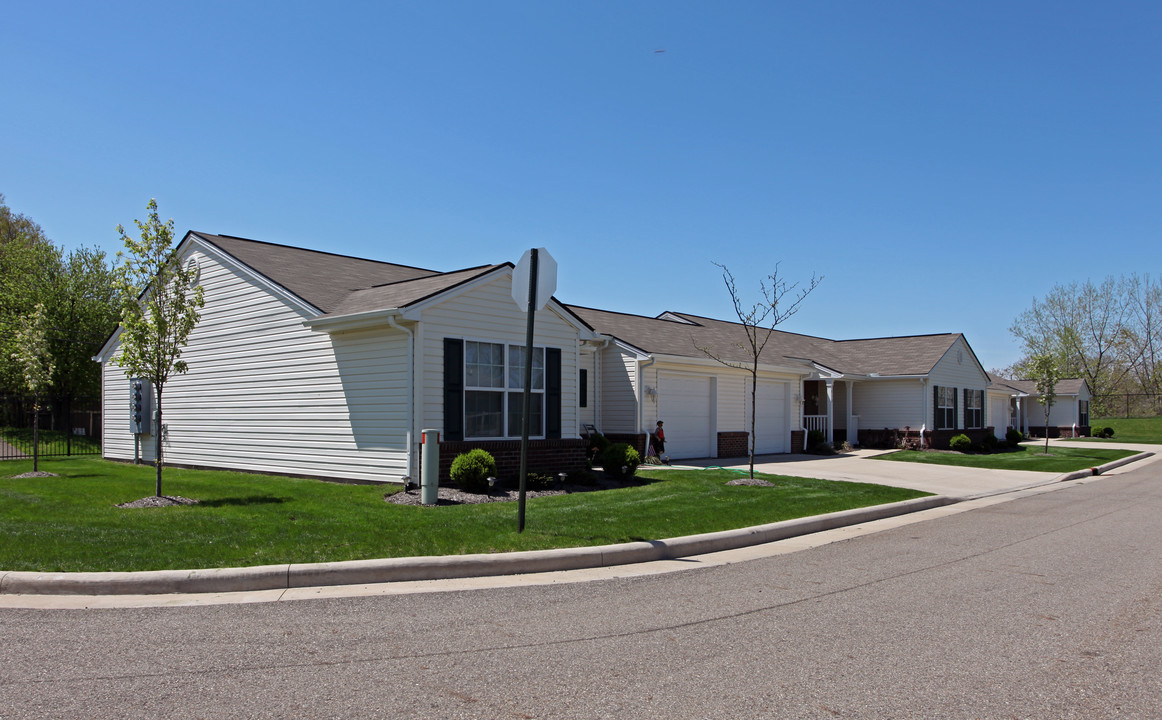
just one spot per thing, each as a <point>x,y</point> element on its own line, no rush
<point>779,302</point>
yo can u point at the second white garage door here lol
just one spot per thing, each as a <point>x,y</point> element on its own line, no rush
<point>771,420</point>
<point>684,407</point>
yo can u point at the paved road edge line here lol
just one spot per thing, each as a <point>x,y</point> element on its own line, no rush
<point>357,572</point>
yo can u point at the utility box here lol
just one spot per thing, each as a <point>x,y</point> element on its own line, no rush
<point>140,406</point>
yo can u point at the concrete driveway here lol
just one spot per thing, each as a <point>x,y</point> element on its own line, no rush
<point>857,466</point>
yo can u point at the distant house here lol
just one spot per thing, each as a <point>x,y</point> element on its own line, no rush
<point>322,365</point>
<point>862,391</point>
<point>1018,401</point>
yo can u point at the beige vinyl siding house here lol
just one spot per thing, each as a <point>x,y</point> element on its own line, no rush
<point>292,371</point>
<point>321,365</point>
<point>1018,399</point>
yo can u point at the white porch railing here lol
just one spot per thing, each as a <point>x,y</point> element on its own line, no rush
<point>815,422</point>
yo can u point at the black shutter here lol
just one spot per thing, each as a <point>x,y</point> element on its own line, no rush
<point>453,389</point>
<point>983,409</point>
<point>955,410</point>
<point>584,389</point>
<point>553,393</point>
<point>936,407</point>
<point>964,392</point>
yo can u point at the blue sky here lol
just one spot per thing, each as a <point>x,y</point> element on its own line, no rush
<point>941,164</point>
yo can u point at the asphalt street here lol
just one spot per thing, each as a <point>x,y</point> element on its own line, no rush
<point>1043,607</point>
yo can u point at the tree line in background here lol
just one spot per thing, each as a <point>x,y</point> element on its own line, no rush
<point>1107,333</point>
<point>81,308</point>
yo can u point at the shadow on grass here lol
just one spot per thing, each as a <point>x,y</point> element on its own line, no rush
<point>242,501</point>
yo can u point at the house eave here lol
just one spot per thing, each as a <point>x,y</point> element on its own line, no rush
<point>369,320</point>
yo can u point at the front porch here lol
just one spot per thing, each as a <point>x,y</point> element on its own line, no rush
<point>827,408</point>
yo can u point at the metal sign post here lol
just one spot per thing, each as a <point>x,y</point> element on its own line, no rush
<point>542,282</point>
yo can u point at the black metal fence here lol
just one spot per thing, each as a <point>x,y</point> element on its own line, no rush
<point>66,428</point>
<point>1126,405</point>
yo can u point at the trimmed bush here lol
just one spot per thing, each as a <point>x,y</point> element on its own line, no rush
<point>581,477</point>
<point>1108,432</point>
<point>990,442</point>
<point>620,455</point>
<point>539,481</point>
<point>598,444</point>
<point>471,470</point>
<point>960,443</point>
<point>815,438</point>
<point>1013,436</point>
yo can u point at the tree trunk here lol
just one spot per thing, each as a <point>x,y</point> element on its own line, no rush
<point>157,441</point>
<point>754,411</point>
<point>35,435</point>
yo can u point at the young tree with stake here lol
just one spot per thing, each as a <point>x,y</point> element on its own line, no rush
<point>159,308</point>
<point>779,302</point>
<point>1045,373</point>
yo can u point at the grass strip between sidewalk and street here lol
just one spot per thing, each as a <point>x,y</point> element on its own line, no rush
<point>71,522</point>
<point>1027,457</point>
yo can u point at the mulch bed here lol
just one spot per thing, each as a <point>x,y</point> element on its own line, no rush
<point>452,495</point>
<point>154,501</point>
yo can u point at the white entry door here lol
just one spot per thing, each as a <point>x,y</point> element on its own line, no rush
<point>684,407</point>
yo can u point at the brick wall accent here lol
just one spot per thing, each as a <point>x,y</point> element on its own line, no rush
<point>798,440</point>
<point>1064,431</point>
<point>544,456</point>
<point>733,444</point>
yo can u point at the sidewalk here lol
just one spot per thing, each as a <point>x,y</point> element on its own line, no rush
<point>950,485</point>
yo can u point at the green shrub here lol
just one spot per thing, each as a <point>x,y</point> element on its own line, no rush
<point>471,470</point>
<point>960,443</point>
<point>990,442</point>
<point>1013,436</point>
<point>815,438</point>
<point>539,481</point>
<point>1107,432</point>
<point>620,455</point>
<point>598,444</point>
<point>581,477</point>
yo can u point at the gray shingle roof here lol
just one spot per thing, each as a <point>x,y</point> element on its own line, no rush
<point>322,279</point>
<point>908,355</point>
<point>406,292</point>
<point>1065,386</point>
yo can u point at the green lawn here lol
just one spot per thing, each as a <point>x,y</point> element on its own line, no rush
<point>70,523</point>
<point>1131,430</point>
<point>1029,457</point>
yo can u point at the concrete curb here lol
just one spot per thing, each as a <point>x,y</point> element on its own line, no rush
<point>358,572</point>
<point>1090,472</point>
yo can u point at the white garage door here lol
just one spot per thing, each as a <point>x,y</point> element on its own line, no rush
<point>771,419</point>
<point>684,407</point>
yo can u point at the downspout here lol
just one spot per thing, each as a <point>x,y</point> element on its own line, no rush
<point>411,392</point>
<point>641,393</point>
<point>597,361</point>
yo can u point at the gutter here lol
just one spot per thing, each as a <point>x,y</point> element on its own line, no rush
<point>411,389</point>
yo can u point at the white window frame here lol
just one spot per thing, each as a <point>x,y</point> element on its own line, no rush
<point>510,389</point>
<point>973,416</point>
<point>946,394</point>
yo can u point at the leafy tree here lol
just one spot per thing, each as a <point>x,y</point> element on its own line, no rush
<point>36,366</point>
<point>779,302</point>
<point>1044,368</point>
<point>83,312</point>
<point>159,309</point>
<point>28,262</point>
